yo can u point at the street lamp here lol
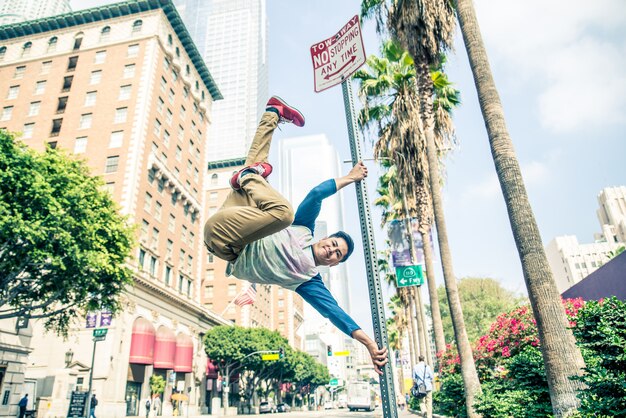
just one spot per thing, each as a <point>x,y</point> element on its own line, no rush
<point>69,355</point>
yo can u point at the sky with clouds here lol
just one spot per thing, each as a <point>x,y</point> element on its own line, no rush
<point>560,71</point>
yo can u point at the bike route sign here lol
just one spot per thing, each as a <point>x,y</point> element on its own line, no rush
<point>336,58</point>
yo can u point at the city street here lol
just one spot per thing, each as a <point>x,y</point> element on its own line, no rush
<point>378,412</point>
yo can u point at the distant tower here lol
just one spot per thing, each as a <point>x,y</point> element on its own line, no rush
<point>231,36</point>
<point>13,11</point>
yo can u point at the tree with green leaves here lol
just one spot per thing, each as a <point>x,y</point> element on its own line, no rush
<point>157,385</point>
<point>562,357</point>
<point>483,299</point>
<point>63,243</point>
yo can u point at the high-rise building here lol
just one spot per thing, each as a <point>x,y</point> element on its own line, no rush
<point>232,38</point>
<point>123,87</point>
<point>305,162</point>
<point>14,11</point>
<point>571,261</point>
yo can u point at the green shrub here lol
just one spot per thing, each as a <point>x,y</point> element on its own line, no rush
<point>450,399</point>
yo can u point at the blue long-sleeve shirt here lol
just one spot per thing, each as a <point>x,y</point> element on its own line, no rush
<point>313,291</point>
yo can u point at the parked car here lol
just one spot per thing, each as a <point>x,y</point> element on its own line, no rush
<point>283,407</point>
<point>267,407</point>
<point>328,405</point>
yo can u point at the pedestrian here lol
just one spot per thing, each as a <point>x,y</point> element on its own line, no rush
<point>257,233</point>
<point>422,381</point>
<point>156,406</point>
<point>147,407</point>
<point>23,403</point>
<point>92,406</point>
<point>400,401</point>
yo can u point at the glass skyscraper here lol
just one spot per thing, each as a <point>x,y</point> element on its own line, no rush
<point>231,35</point>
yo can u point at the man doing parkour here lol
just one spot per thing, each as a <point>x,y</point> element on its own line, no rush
<point>257,233</point>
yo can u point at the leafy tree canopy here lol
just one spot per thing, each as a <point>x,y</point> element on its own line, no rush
<point>63,243</point>
<point>482,299</point>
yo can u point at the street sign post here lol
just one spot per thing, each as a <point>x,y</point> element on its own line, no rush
<point>334,382</point>
<point>100,334</point>
<point>410,275</point>
<point>336,58</point>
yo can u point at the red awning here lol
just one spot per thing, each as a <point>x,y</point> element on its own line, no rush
<point>211,369</point>
<point>183,360</point>
<point>164,348</point>
<point>142,342</point>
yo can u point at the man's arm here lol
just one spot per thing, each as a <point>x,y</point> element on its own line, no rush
<point>310,207</point>
<point>318,296</point>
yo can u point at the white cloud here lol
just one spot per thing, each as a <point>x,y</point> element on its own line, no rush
<point>574,52</point>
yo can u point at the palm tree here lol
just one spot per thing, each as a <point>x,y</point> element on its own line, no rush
<point>561,357</point>
<point>425,29</point>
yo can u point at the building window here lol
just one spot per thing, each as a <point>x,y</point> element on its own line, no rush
<point>187,70</point>
<point>214,180</point>
<point>213,196</point>
<point>28,130</point>
<point>166,138</point>
<point>13,92</point>
<point>52,44</point>
<point>192,239</point>
<point>171,225</point>
<point>210,258</point>
<point>160,105</point>
<point>157,128</point>
<point>174,75</point>
<point>158,209</point>
<point>183,112</point>
<point>142,258</point>
<point>169,248</point>
<point>40,87</point>
<point>96,77</point>
<point>19,72</point>
<point>45,67</point>
<point>85,121</point>
<point>125,92</point>
<point>181,280</point>
<point>78,40</point>
<point>210,274</point>
<point>110,187</point>
<point>7,112</point>
<point>171,95</point>
<point>181,133</point>
<point>100,57</point>
<point>232,289</point>
<point>111,164</point>
<point>183,236</point>
<point>185,92</point>
<point>120,115</point>
<point>3,52</point>
<point>144,229</point>
<point>147,203</point>
<point>26,49</point>
<point>163,84</point>
<point>208,292</point>
<point>177,52</point>
<point>132,51</point>
<point>33,109</point>
<point>169,39</point>
<point>61,104</point>
<point>168,275</point>
<point>137,24</point>
<point>56,127</point>
<point>67,83</point>
<point>72,62</point>
<point>129,71</point>
<point>153,266</point>
<point>178,153</point>
<point>90,99</point>
<point>169,117</point>
<point>105,33</point>
<point>80,145</point>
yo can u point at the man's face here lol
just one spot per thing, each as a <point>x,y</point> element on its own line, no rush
<point>329,251</point>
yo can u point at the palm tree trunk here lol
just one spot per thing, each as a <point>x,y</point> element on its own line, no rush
<point>561,356</point>
<point>435,310</point>
<point>418,321</point>
<point>420,303</point>
<point>412,332</point>
<point>471,383</point>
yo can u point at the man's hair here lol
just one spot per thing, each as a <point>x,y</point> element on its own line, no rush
<point>348,239</point>
<point>421,358</point>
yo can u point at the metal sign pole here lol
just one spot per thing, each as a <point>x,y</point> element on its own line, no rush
<point>387,392</point>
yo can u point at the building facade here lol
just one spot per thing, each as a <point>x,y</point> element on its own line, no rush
<point>15,11</point>
<point>232,38</point>
<point>571,261</point>
<point>123,87</point>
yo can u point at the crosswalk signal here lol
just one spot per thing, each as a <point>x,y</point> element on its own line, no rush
<point>329,350</point>
<point>281,352</point>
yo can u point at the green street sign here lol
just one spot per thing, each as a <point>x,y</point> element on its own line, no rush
<point>409,276</point>
<point>334,382</point>
<point>100,334</point>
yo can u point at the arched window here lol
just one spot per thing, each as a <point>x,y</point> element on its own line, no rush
<point>137,24</point>
<point>214,180</point>
<point>52,44</point>
<point>177,52</point>
<point>78,40</point>
<point>197,85</point>
<point>3,51</point>
<point>187,70</point>
<point>202,95</point>
<point>105,33</point>
<point>169,39</point>
<point>26,49</point>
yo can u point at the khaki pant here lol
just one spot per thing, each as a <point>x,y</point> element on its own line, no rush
<point>253,212</point>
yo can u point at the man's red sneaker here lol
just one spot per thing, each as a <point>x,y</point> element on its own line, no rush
<point>286,113</point>
<point>262,169</point>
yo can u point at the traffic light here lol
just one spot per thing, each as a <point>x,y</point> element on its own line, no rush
<point>281,352</point>
<point>329,350</point>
